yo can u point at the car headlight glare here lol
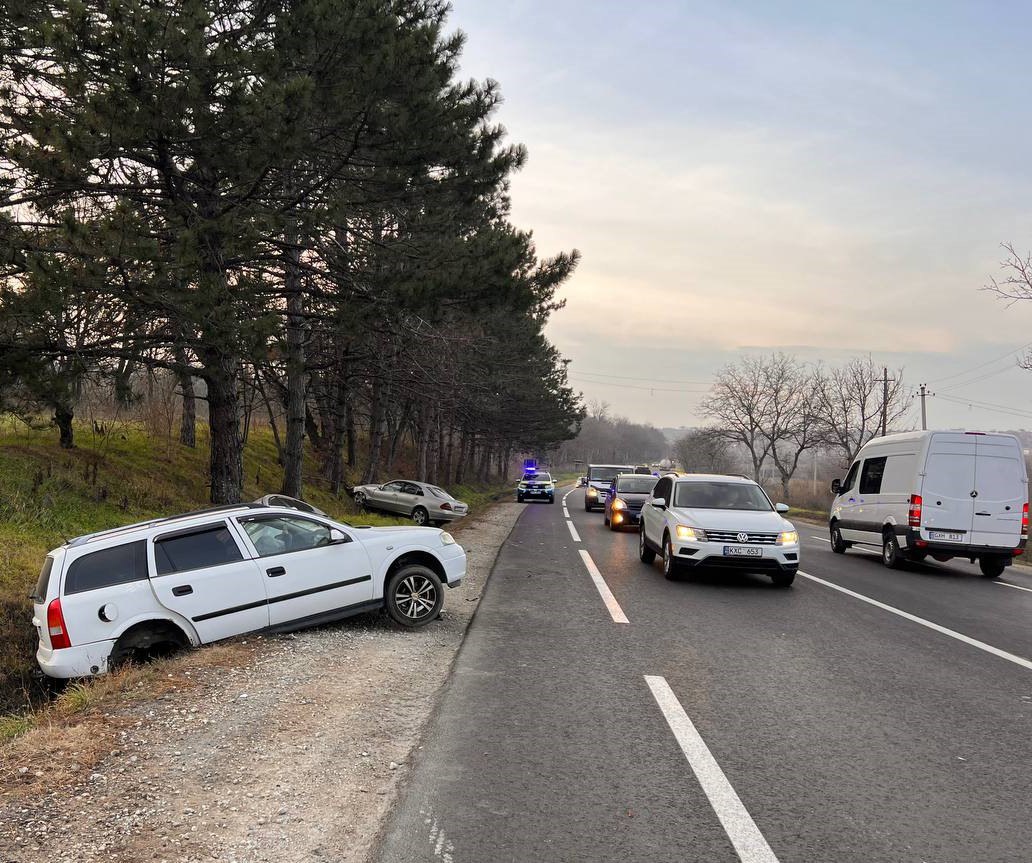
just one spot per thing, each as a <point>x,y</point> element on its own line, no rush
<point>619,504</point>
<point>788,537</point>
<point>592,492</point>
<point>695,534</point>
<point>447,538</point>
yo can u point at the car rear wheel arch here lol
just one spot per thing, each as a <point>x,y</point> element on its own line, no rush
<point>147,639</point>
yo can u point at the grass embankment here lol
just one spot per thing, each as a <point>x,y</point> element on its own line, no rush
<point>49,495</point>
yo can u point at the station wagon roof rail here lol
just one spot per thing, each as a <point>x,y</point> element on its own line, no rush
<point>104,534</point>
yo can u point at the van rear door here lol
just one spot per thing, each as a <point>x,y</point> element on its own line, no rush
<point>949,478</point>
<point>1002,489</point>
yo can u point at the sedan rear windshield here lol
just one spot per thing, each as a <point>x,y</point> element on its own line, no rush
<point>721,495</point>
<point>636,484</point>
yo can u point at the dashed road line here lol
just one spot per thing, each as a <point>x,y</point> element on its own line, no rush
<point>573,531</point>
<point>1015,586</point>
<point>973,642</point>
<point>745,836</point>
<point>607,595</point>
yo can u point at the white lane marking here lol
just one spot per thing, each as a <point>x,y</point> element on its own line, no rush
<point>745,836</point>
<point>981,645</point>
<point>1015,586</point>
<point>821,539</point>
<point>854,547</point>
<point>573,531</point>
<point>566,512</point>
<point>615,611</point>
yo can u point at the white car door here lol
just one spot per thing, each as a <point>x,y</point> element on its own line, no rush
<point>203,574</point>
<point>654,519</point>
<point>307,573</point>
<point>846,504</point>
<point>948,502</point>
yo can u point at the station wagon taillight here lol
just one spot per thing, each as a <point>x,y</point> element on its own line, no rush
<point>56,626</point>
<point>914,515</point>
<point>1024,520</point>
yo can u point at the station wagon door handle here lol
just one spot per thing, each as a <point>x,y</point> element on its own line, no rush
<point>182,590</point>
<point>276,571</point>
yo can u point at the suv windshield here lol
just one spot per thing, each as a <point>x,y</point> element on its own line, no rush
<point>636,484</point>
<point>606,474</point>
<point>537,477</point>
<point>721,495</point>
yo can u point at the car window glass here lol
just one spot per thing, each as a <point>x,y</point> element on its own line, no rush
<point>209,546</point>
<point>721,495</point>
<point>412,488</point>
<point>639,484</point>
<point>43,583</point>
<point>439,492</point>
<point>393,486</point>
<point>285,534</point>
<point>118,565</point>
<point>870,479</point>
<point>662,489</point>
<point>850,479</point>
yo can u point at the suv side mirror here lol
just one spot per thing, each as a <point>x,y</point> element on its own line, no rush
<point>836,486</point>
<point>782,507</point>
<point>659,502</point>
<point>338,537</point>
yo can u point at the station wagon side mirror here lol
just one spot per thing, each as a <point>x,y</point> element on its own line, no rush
<point>659,502</point>
<point>782,507</point>
<point>338,537</point>
<point>836,486</point>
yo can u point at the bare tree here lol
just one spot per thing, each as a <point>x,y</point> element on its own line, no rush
<point>599,410</point>
<point>706,451</point>
<point>741,404</point>
<point>851,400</point>
<point>797,421</point>
<point>1014,285</point>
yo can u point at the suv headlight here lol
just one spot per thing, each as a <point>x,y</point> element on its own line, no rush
<point>788,537</point>
<point>447,538</point>
<point>523,485</point>
<point>619,504</point>
<point>592,491</point>
<point>695,534</point>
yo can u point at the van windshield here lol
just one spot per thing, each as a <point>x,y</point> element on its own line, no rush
<point>606,474</point>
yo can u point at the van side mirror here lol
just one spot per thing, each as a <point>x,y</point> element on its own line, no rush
<point>782,507</point>
<point>659,502</point>
<point>836,486</point>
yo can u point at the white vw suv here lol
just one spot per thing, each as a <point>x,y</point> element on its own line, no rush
<point>192,579</point>
<point>717,521</point>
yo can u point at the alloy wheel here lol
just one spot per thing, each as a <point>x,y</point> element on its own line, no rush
<point>415,596</point>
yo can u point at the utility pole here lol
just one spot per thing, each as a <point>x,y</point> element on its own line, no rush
<point>885,401</point>
<point>923,394</point>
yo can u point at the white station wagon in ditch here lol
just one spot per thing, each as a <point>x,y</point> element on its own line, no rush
<point>196,578</point>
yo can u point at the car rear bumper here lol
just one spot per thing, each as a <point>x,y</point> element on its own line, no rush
<point>78,661</point>
<point>915,542</point>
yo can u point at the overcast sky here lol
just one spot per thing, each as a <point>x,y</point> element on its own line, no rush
<point>829,179</point>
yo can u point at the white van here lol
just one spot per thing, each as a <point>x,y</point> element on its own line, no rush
<point>937,494</point>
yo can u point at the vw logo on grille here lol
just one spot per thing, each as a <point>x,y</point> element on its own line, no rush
<point>743,537</point>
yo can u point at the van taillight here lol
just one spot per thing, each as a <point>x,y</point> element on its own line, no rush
<point>56,626</point>
<point>914,516</point>
<point>1024,520</point>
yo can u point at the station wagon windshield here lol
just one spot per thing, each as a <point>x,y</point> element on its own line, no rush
<point>721,495</point>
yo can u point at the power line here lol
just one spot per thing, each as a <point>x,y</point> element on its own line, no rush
<point>631,378</point>
<point>979,379</point>
<point>988,406</point>
<point>637,387</point>
<point>1006,356</point>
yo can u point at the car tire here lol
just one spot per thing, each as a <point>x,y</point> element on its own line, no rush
<point>782,579</point>
<point>605,519</point>
<point>360,500</point>
<point>992,567</point>
<point>838,544</point>
<point>420,516</point>
<point>613,526</point>
<point>645,554</point>
<point>519,498</point>
<point>414,596</point>
<point>671,570</point>
<point>551,500</point>
<point>892,555</point>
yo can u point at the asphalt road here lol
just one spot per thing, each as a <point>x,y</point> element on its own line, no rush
<point>727,719</point>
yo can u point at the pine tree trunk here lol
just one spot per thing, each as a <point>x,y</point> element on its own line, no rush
<point>297,376</point>
<point>63,416</point>
<point>375,431</point>
<point>188,420</point>
<point>227,479</point>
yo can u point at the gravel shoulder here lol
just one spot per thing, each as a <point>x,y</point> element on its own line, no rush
<point>282,748</point>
